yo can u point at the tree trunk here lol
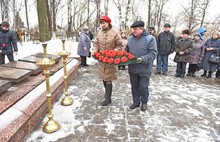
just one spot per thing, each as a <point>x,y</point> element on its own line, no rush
<point>26,11</point>
<point>43,20</point>
<point>127,12</point>
<point>49,18</point>
<point>149,14</point>
<point>70,21</point>
<point>204,12</point>
<point>106,6</point>
<point>54,16</point>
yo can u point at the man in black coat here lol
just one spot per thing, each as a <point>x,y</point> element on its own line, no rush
<point>165,46</point>
<point>7,41</point>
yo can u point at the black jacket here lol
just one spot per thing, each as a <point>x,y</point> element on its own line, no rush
<point>165,43</point>
<point>7,41</point>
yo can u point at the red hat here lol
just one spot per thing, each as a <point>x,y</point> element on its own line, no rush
<point>105,18</point>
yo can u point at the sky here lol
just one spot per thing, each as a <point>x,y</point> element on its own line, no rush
<point>172,8</point>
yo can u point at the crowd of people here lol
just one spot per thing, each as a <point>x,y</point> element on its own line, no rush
<point>146,46</point>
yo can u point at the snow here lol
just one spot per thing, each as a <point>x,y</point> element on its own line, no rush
<point>179,109</point>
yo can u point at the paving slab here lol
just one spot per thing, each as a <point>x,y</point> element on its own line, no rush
<point>14,75</point>
<point>179,110</point>
<point>25,65</point>
<point>57,58</point>
<point>4,85</point>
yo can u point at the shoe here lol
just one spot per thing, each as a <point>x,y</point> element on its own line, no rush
<point>106,102</point>
<point>165,74</point>
<point>158,73</point>
<point>193,75</point>
<point>204,74</point>
<point>177,75</point>
<point>86,65</point>
<point>143,107</point>
<point>189,74</point>
<point>182,76</point>
<point>134,105</point>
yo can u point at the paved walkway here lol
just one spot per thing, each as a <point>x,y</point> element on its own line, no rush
<point>179,110</point>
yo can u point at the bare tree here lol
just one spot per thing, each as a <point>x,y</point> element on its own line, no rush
<point>195,14</point>
<point>159,12</point>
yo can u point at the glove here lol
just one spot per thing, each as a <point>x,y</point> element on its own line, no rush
<point>3,45</point>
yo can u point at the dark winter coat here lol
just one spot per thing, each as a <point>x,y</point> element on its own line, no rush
<point>165,43</point>
<point>108,39</point>
<point>214,43</point>
<point>84,41</point>
<point>197,52</point>
<point>183,45</point>
<point>145,48</point>
<point>9,39</point>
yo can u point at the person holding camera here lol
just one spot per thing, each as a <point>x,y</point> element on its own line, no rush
<point>8,43</point>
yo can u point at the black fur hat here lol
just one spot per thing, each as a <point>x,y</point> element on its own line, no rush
<point>186,32</point>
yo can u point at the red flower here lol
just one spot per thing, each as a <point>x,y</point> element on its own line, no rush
<point>113,54</point>
<point>104,52</point>
<point>120,53</point>
<point>100,58</point>
<point>97,55</point>
<point>130,56</point>
<point>117,61</point>
<point>110,61</point>
<point>108,54</point>
<point>105,60</point>
<point>124,59</point>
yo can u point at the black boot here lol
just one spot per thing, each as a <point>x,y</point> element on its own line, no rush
<point>204,74</point>
<point>217,75</point>
<point>109,95</point>
<point>104,82</point>
<point>82,61</point>
<point>210,74</point>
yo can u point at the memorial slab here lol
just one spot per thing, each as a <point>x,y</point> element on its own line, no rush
<point>4,85</point>
<point>24,65</point>
<point>14,75</point>
<point>30,59</point>
<point>57,58</point>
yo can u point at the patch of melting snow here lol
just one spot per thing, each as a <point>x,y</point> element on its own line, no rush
<point>64,116</point>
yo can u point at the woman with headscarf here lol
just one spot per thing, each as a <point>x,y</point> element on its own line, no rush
<point>84,46</point>
<point>107,39</point>
<point>211,46</point>
<point>196,55</point>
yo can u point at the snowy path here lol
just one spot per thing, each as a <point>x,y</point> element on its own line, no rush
<point>180,110</point>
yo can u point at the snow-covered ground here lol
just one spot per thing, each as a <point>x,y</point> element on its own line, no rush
<point>179,110</point>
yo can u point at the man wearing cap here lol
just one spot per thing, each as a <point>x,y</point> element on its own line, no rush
<point>165,46</point>
<point>107,39</point>
<point>7,41</point>
<point>143,46</point>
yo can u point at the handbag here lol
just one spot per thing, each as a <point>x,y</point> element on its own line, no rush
<point>214,58</point>
<point>199,66</point>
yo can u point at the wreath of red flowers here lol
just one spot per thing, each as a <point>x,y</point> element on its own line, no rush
<point>115,57</point>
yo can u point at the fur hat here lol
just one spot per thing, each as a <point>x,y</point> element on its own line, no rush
<point>5,24</point>
<point>186,32</point>
<point>105,18</point>
<point>216,33</point>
